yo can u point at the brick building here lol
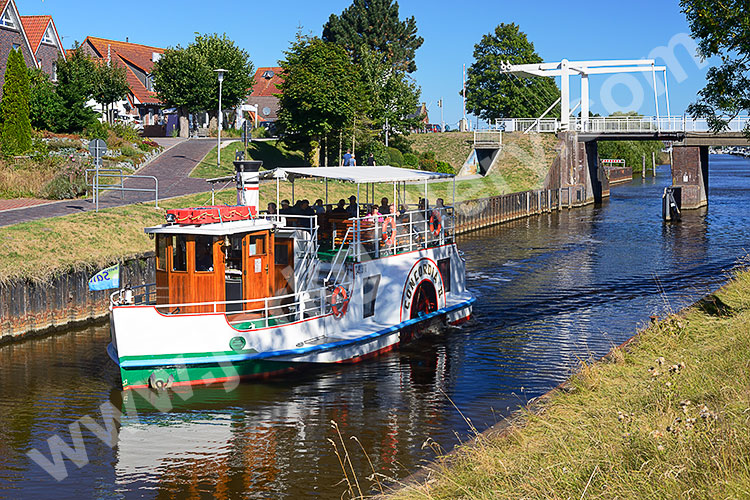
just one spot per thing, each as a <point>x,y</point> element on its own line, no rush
<point>35,36</point>
<point>266,81</point>
<point>138,61</point>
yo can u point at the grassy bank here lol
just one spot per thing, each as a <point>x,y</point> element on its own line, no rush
<point>666,417</point>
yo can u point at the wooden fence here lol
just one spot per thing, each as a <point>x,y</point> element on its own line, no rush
<point>483,212</point>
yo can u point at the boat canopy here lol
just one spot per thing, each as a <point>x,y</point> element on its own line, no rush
<point>357,175</point>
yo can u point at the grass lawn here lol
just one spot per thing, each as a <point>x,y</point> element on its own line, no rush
<point>272,153</point>
<point>666,417</point>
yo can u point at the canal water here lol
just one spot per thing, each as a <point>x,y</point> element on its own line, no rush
<point>551,291</point>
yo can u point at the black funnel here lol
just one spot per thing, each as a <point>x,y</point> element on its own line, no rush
<point>247,165</point>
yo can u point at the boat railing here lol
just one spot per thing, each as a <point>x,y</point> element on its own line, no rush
<point>338,263</point>
<point>250,313</point>
<point>386,234</point>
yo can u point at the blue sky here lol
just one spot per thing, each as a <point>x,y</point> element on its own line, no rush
<point>583,30</point>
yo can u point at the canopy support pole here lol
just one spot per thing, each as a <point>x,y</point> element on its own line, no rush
<point>292,191</point>
<point>326,190</point>
<point>278,205</point>
<point>395,201</point>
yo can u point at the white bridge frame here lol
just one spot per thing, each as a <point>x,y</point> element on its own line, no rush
<point>564,69</point>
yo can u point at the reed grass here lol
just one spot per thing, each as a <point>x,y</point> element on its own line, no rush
<point>668,416</point>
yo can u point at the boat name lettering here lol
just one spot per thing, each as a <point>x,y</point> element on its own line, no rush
<point>424,269</point>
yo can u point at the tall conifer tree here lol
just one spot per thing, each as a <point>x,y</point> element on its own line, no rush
<point>16,133</point>
<point>376,23</point>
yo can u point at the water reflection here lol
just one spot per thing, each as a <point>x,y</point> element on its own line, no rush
<point>551,290</point>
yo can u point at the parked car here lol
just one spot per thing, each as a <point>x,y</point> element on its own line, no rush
<point>131,120</point>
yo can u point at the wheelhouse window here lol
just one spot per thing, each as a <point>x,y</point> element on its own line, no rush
<point>257,246</point>
<point>204,255</point>
<point>161,252</point>
<point>179,253</point>
<point>369,294</point>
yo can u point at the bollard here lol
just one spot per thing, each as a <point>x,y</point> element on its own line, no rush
<point>643,172</point>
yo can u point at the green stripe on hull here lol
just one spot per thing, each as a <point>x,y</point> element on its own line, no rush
<point>204,373</point>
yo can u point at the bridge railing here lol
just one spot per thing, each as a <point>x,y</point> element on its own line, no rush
<point>618,124</point>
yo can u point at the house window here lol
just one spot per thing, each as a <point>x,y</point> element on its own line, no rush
<point>149,84</point>
<point>369,294</point>
<point>54,71</point>
<point>48,36</point>
<point>268,74</point>
<point>7,21</point>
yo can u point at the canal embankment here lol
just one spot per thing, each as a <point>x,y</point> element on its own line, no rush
<point>662,416</point>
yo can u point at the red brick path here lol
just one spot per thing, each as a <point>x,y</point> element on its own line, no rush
<point>21,203</point>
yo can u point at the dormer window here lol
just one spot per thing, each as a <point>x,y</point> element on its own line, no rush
<point>7,20</point>
<point>48,38</point>
<point>149,83</point>
<point>268,74</point>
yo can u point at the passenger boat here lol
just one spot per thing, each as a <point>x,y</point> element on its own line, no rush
<point>241,293</point>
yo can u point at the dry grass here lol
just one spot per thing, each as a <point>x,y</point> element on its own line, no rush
<point>26,178</point>
<point>665,418</point>
<point>451,147</point>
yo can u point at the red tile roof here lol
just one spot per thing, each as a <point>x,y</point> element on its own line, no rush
<point>267,86</point>
<point>3,3</point>
<point>35,27</point>
<point>127,54</point>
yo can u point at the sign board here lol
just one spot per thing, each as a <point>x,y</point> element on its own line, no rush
<point>106,279</point>
<point>97,147</point>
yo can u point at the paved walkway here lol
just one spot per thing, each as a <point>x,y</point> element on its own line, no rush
<point>171,168</point>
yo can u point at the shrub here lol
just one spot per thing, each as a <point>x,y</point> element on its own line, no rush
<point>69,183</point>
<point>58,144</point>
<point>411,160</point>
<point>445,168</point>
<point>259,133</point>
<point>428,164</point>
<point>126,132</point>
<point>397,159</point>
<point>96,130</point>
<point>129,151</point>
<point>428,155</point>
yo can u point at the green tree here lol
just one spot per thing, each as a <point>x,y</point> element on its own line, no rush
<point>313,103</point>
<point>75,86</point>
<point>376,25</point>
<point>44,103</point>
<point>390,92</point>
<point>492,93</point>
<point>109,84</point>
<point>721,29</point>
<point>185,77</point>
<point>16,132</point>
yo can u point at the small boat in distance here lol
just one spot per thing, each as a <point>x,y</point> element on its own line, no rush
<point>243,294</point>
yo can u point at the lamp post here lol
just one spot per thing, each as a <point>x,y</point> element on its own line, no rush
<point>220,74</point>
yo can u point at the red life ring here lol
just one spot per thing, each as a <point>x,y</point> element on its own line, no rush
<point>435,223</point>
<point>389,237</point>
<point>339,301</point>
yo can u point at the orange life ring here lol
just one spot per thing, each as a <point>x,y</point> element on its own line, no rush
<point>389,237</point>
<point>339,301</point>
<point>435,223</point>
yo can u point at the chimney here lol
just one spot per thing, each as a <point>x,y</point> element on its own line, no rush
<point>248,185</point>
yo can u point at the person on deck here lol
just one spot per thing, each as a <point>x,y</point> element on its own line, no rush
<point>385,207</point>
<point>340,207</point>
<point>285,208</point>
<point>271,209</point>
<point>318,207</point>
<point>347,159</point>
<point>353,208</point>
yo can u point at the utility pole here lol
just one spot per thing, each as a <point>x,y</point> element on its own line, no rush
<point>463,93</point>
<point>442,120</point>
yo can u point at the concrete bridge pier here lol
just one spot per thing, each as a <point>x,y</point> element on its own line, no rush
<point>690,174</point>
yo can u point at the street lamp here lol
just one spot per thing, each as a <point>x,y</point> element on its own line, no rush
<point>220,74</point>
